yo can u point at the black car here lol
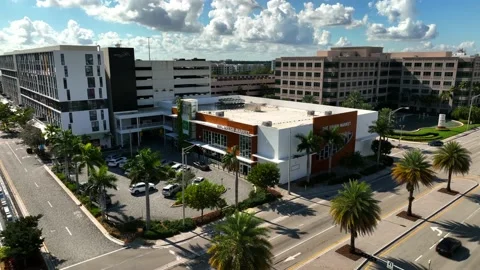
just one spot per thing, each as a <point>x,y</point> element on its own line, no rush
<point>447,246</point>
<point>436,143</point>
<point>202,166</point>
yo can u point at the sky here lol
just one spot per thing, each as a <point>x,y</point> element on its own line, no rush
<point>241,29</point>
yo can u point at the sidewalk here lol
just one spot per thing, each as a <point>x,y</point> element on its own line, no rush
<point>389,229</point>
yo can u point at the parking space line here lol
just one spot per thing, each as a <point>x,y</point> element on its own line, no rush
<point>25,169</point>
<point>68,231</point>
<point>36,184</point>
<point>51,206</point>
<point>419,257</point>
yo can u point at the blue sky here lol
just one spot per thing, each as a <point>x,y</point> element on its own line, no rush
<point>241,29</point>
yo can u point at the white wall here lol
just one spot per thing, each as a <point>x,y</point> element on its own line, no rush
<point>363,122</point>
<point>286,139</point>
<point>267,142</point>
<point>82,124</point>
<point>298,169</point>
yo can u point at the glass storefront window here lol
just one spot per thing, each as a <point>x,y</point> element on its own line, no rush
<point>215,139</point>
<point>245,146</point>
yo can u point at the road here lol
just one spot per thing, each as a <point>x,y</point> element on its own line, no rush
<point>69,235</point>
<point>461,221</point>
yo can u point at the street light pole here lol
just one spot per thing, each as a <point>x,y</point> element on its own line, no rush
<point>470,110</point>
<point>401,133</point>
<point>184,164</point>
<point>289,158</point>
<point>394,111</point>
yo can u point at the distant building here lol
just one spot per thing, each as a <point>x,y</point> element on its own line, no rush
<point>249,85</point>
<point>229,67</point>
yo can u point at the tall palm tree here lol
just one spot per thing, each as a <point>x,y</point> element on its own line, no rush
<point>309,143</point>
<point>452,158</point>
<point>355,210</point>
<point>333,138</point>
<point>309,99</point>
<point>66,145</point>
<point>241,244</point>
<point>231,163</point>
<point>51,132</point>
<point>383,127</point>
<point>413,169</point>
<point>98,182</point>
<point>146,168</point>
<point>89,157</point>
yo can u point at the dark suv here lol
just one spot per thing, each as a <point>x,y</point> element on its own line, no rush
<point>447,246</point>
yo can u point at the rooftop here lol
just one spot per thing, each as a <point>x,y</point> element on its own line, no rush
<point>56,48</point>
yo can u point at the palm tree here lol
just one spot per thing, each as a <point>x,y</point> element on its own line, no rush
<point>146,168</point>
<point>413,169</point>
<point>241,244</point>
<point>309,143</point>
<point>231,163</point>
<point>66,145</point>
<point>333,138</point>
<point>51,132</point>
<point>88,156</point>
<point>309,99</point>
<point>355,210</point>
<point>382,127</point>
<point>356,101</point>
<point>98,182</point>
<point>452,158</point>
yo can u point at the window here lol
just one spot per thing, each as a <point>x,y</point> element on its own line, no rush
<point>104,124</point>
<point>318,65</point>
<point>98,71</point>
<point>308,74</point>
<point>93,115</point>
<point>292,82</point>
<point>447,83</point>
<point>372,64</point>
<point>408,64</point>
<point>428,74</point>
<point>285,73</point>
<point>427,65</point>
<point>91,93</point>
<point>415,82</point>
<point>102,115</point>
<point>436,82</point>
<point>284,91</point>
<point>300,93</point>
<point>439,65</point>
<point>89,59</point>
<point>99,59</point>
<point>91,81</point>
<point>309,64</point>
<point>450,65</point>
<point>425,82</point>
<point>361,64</point>
<point>418,64</point>
<point>292,74</point>
<point>360,83</point>
<point>355,65</point>
<point>62,59</point>
<point>342,84</point>
<point>317,74</point>
<point>308,84</point>
<point>437,74</point>
<point>316,94</point>
<point>301,64</point>
<point>349,65</point>
<point>291,92</point>
<point>417,73</point>
<point>215,139</point>
<point>68,95</point>
<point>284,82</point>
<point>100,93</point>
<point>300,74</point>
<point>88,71</point>
<point>65,85</point>
<point>342,75</point>
<point>285,64</point>
<point>308,93</point>
<point>70,117</point>
<point>448,74</point>
<point>70,126</point>
<point>65,70</point>
<point>95,126</point>
<point>349,74</point>
<point>299,83</point>
<point>354,74</point>
<point>343,65</point>
<point>317,84</point>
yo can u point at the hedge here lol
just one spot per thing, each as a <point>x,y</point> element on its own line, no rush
<point>343,179</point>
<point>168,228</point>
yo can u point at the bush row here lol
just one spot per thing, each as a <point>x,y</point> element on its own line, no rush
<point>168,228</point>
<point>343,179</point>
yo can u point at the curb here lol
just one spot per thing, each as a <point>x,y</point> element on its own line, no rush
<point>417,225</point>
<point>84,209</point>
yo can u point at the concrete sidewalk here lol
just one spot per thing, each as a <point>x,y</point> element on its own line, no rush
<point>388,230</point>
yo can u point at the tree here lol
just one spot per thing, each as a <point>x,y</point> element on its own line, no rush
<point>189,175</point>
<point>241,91</point>
<point>356,101</point>
<point>6,116</point>
<point>309,99</point>
<point>204,195</point>
<point>66,146</point>
<point>32,136</point>
<point>146,168</point>
<point>334,139</point>
<point>355,210</point>
<point>98,182</point>
<point>23,237</point>
<point>413,169</point>
<point>383,128</point>
<point>453,159</point>
<point>309,143</point>
<point>231,163</point>
<point>386,147</point>
<point>22,116</point>
<point>51,133</point>
<point>89,156</point>
<point>240,244</point>
<point>264,175</point>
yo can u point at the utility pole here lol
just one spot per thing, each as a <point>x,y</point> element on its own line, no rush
<point>289,158</point>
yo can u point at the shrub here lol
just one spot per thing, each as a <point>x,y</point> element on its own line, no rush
<point>208,217</point>
<point>168,228</point>
<point>343,179</point>
<point>61,176</point>
<point>229,210</point>
<point>323,177</point>
<point>71,186</point>
<point>256,198</point>
<point>132,225</point>
<point>95,211</point>
<point>353,161</point>
<point>387,161</point>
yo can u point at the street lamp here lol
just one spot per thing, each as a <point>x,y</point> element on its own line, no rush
<point>394,111</point>
<point>401,133</point>
<point>470,111</point>
<point>184,164</point>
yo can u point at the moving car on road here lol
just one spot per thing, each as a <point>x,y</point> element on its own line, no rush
<point>436,143</point>
<point>116,162</point>
<point>140,187</point>
<point>170,190</point>
<point>447,246</point>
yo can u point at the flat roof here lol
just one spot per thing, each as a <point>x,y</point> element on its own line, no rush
<point>55,48</point>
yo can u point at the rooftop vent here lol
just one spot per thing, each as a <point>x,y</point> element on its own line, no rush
<point>267,123</point>
<point>255,107</point>
<point>328,112</point>
<point>220,114</point>
<point>311,113</point>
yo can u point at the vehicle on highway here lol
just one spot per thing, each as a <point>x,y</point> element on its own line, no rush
<point>198,180</point>
<point>435,143</point>
<point>116,162</point>
<point>112,157</point>
<point>447,246</point>
<point>170,190</point>
<point>140,187</point>
<point>202,166</point>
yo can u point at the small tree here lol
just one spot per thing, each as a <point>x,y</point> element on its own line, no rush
<point>32,136</point>
<point>22,116</point>
<point>23,237</point>
<point>386,147</point>
<point>189,175</point>
<point>264,175</point>
<point>204,195</point>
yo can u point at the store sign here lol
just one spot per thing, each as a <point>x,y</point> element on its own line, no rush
<point>122,55</point>
<point>232,129</point>
<point>346,124</point>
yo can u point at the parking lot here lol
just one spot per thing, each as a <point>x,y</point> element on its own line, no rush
<point>126,204</point>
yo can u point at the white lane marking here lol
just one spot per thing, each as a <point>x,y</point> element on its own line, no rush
<point>14,153</point>
<point>419,257</point>
<point>300,225</point>
<point>36,184</point>
<point>471,215</point>
<point>68,231</point>
<point>94,258</point>
<point>25,169</point>
<point>301,243</point>
<point>291,258</point>
<point>433,245</point>
<point>436,229</point>
<point>20,148</point>
<point>393,195</point>
<point>26,157</point>
<point>52,207</point>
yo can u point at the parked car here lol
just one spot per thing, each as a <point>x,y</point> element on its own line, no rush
<point>198,180</point>
<point>184,168</point>
<point>122,163</point>
<point>447,246</point>
<point>4,202</point>
<point>202,166</point>
<point>1,192</point>
<point>176,166</point>
<point>140,187</point>
<point>116,162</point>
<point>170,190</point>
<point>436,143</point>
<point>8,214</point>
<point>167,162</point>
<point>112,157</point>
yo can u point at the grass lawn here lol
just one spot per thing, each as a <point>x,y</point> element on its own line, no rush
<point>431,133</point>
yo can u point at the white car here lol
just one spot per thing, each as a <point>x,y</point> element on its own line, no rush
<point>198,180</point>
<point>122,163</point>
<point>116,162</point>
<point>170,190</point>
<point>112,157</point>
<point>140,187</point>
<point>176,166</point>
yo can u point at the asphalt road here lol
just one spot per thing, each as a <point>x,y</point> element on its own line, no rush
<point>69,235</point>
<point>461,221</point>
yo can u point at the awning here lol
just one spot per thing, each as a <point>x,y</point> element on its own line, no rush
<point>276,161</point>
<point>220,151</point>
<point>207,124</point>
<point>172,135</point>
<point>245,160</point>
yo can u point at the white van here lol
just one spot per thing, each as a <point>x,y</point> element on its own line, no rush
<point>8,214</point>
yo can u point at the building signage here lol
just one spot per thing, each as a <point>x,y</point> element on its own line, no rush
<point>346,124</point>
<point>122,55</point>
<point>232,129</point>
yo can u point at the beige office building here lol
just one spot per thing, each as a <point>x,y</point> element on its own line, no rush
<point>247,85</point>
<point>414,79</point>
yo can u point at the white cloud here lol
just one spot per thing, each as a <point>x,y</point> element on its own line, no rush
<point>329,15</point>
<point>469,46</point>
<point>396,9</point>
<point>343,42</point>
<point>224,14</point>
<point>322,38</point>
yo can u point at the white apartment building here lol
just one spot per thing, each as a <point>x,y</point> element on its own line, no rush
<point>65,85</point>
